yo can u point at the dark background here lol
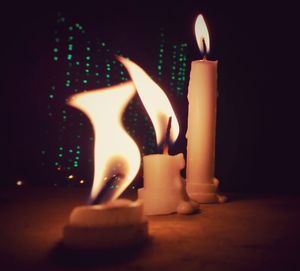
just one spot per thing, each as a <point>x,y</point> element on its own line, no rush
<point>255,43</point>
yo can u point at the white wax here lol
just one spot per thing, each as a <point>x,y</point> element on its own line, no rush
<point>162,171</point>
<point>117,224</point>
<point>164,189</point>
<point>202,94</point>
<point>115,213</point>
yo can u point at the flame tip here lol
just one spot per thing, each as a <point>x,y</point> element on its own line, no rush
<point>154,100</point>
<point>202,35</point>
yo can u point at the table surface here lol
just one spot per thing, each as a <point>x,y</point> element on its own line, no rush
<point>247,233</point>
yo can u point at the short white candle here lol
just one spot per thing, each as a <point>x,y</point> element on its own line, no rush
<point>164,189</point>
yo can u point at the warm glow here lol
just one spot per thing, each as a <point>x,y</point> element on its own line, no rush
<point>19,183</point>
<point>115,152</point>
<point>201,32</point>
<point>155,101</point>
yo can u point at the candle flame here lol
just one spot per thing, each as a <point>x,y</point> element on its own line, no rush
<point>154,100</point>
<point>115,152</point>
<point>202,35</point>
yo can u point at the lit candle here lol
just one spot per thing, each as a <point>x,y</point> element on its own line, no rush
<point>202,95</point>
<point>114,223</point>
<point>164,189</point>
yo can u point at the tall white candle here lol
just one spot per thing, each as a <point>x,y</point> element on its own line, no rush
<point>202,95</point>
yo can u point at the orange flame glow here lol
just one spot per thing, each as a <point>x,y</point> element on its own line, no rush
<point>155,101</point>
<point>202,35</point>
<point>113,146</point>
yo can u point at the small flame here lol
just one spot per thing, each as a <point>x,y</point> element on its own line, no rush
<point>202,35</point>
<point>114,148</point>
<point>155,101</point>
<point>19,183</point>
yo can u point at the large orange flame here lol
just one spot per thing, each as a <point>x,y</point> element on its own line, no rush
<point>114,148</point>
<point>202,35</point>
<point>155,101</point>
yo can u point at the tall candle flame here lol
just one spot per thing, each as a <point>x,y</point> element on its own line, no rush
<point>115,152</point>
<point>154,100</point>
<point>202,35</point>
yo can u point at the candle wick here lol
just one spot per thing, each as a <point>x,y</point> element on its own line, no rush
<point>204,49</point>
<point>105,193</point>
<point>167,140</point>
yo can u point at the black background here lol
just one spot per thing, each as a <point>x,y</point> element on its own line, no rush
<point>255,43</point>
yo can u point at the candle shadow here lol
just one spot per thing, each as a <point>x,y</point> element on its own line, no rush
<point>64,256</point>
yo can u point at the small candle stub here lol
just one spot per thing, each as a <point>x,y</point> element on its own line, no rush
<point>114,225</point>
